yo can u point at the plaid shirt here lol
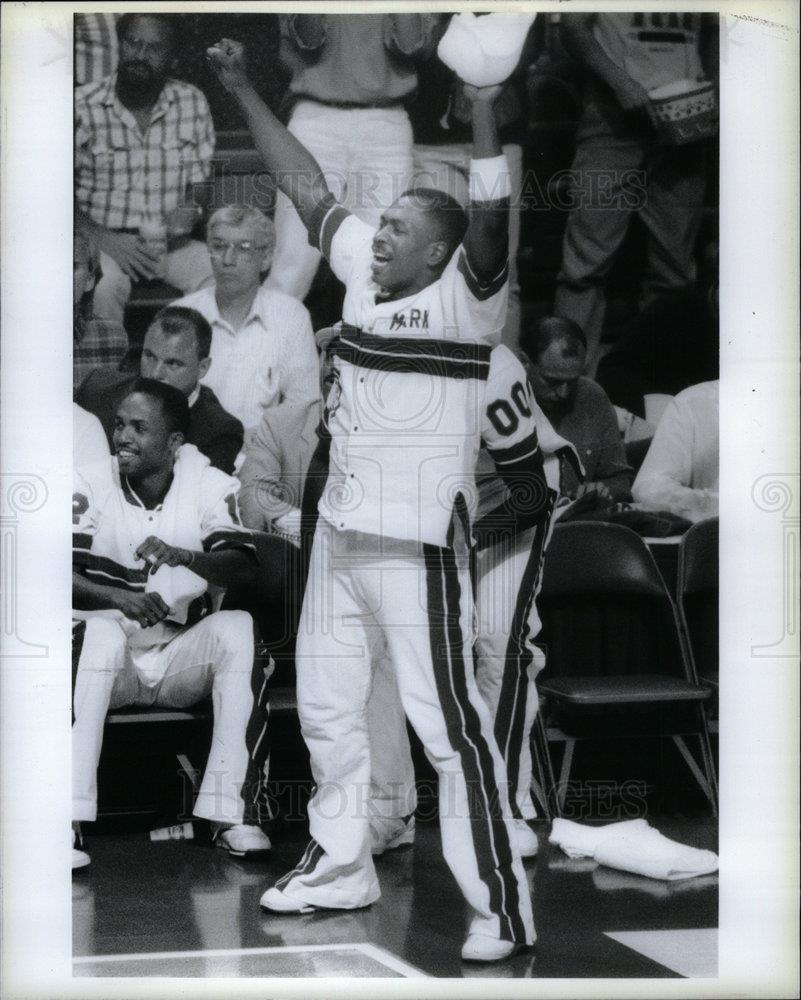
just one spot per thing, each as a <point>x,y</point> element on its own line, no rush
<point>121,176</point>
<point>96,47</point>
<point>102,342</point>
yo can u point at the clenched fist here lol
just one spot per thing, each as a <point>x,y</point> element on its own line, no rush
<point>228,59</point>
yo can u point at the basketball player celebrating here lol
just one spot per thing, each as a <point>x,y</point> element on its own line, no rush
<point>425,301</point>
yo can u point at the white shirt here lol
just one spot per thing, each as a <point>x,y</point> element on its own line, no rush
<point>270,359</point>
<point>407,485</point>
<point>407,412</point>
<point>680,472</point>
<point>89,442</point>
<point>457,306</point>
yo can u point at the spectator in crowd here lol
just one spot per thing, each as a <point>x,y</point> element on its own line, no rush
<point>175,351</point>
<point>620,167</point>
<point>143,148</point>
<point>155,544</point>
<point>577,408</point>
<point>95,341</point>
<point>440,116</point>
<point>262,346</point>
<point>350,77</point>
<point>89,444</point>
<point>96,47</point>
<point>672,344</point>
<point>680,472</point>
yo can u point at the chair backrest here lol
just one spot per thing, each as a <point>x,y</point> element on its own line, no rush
<point>605,607</point>
<point>593,557</point>
<point>698,558</point>
<point>698,594</point>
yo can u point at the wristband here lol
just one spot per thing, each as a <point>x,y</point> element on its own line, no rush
<point>489,179</point>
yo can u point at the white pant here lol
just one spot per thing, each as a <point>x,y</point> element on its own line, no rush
<point>447,168</point>
<point>507,658</point>
<point>188,268</point>
<point>393,793</point>
<point>214,657</point>
<point>366,157</point>
<point>363,591</point>
<point>507,663</point>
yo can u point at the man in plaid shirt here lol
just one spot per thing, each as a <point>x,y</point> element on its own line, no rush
<point>96,342</point>
<point>143,148</point>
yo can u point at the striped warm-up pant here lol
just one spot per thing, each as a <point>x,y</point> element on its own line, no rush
<point>364,591</point>
<point>508,580</point>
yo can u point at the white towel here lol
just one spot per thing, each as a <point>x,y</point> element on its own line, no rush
<point>633,846</point>
<point>179,526</point>
<point>483,51</point>
<point>579,841</point>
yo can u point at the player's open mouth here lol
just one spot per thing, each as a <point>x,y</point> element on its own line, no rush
<point>126,453</point>
<point>380,260</point>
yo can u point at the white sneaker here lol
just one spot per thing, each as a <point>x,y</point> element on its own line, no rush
<point>80,859</point>
<point>242,840</point>
<point>387,834</point>
<point>525,838</point>
<point>275,900</point>
<point>480,948</point>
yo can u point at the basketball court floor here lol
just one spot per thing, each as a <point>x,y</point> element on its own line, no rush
<point>184,908</point>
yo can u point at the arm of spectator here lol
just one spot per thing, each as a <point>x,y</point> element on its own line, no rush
<point>124,248</point>
<point>183,219</point>
<point>612,475</point>
<point>487,241</point>
<point>297,172</point>
<point>411,35</point>
<point>579,42</point>
<point>663,482</point>
<point>302,371</point>
<point>307,31</point>
<point>222,452</point>
<point>260,495</point>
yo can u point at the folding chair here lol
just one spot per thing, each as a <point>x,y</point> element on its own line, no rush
<point>698,596</point>
<point>616,662</point>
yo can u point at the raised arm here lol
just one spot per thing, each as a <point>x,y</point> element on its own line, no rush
<point>297,173</point>
<point>579,42</point>
<point>487,239</point>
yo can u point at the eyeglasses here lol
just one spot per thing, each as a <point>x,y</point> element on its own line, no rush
<point>217,248</point>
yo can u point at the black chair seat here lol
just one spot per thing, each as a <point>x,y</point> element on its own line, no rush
<point>621,689</point>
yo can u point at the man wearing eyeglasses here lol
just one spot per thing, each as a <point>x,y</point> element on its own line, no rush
<point>262,346</point>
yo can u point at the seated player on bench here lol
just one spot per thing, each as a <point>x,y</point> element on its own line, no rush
<point>155,544</point>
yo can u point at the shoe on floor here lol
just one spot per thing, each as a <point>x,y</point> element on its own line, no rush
<point>80,859</point>
<point>387,834</point>
<point>242,840</point>
<point>480,948</point>
<point>274,899</point>
<point>525,838</point>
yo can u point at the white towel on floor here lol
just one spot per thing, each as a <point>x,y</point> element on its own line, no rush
<point>483,51</point>
<point>633,846</point>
